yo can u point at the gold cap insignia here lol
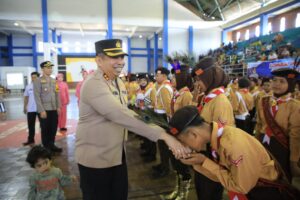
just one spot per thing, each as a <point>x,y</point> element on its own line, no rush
<point>118,44</point>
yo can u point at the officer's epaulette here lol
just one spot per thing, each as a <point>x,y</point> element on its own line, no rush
<point>105,76</point>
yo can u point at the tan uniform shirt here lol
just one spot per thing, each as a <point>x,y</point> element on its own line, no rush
<point>46,94</point>
<point>218,109</point>
<point>185,98</point>
<point>103,120</point>
<point>133,88</point>
<point>164,96</point>
<point>237,104</point>
<point>260,95</point>
<point>243,160</point>
<point>288,118</point>
<point>152,96</point>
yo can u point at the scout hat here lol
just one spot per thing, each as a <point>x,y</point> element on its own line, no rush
<point>286,73</point>
<point>162,70</point>
<point>142,76</point>
<point>46,64</point>
<point>111,47</point>
<point>289,74</point>
<point>203,64</point>
<point>183,118</point>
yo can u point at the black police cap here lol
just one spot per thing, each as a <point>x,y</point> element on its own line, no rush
<point>46,64</point>
<point>110,47</point>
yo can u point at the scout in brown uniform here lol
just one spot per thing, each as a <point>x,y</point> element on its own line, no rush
<point>266,90</point>
<point>278,126</point>
<point>133,88</point>
<point>164,93</point>
<point>182,97</point>
<point>238,161</point>
<point>242,104</point>
<point>145,99</point>
<point>214,106</point>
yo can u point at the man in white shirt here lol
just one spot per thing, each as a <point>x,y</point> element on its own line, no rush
<point>30,109</point>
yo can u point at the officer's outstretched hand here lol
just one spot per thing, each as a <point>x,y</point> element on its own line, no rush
<point>178,149</point>
<point>43,115</point>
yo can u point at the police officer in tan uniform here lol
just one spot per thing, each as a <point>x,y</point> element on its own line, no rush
<point>238,161</point>
<point>46,94</point>
<point>104,119</point>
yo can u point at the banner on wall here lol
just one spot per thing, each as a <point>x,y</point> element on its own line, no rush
<point>264,69</point>
<point>74,67</point>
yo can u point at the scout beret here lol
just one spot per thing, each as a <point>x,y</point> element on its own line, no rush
<point>286,73</point>
<point>111,47</point>
<point>202,65</point>
<point>183,118</point>
<point>142,75</point>
<point>46,64</point>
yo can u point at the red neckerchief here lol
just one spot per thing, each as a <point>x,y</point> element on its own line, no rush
<point>216,92</point>
<point>214,152</point>
<point>274,109</point>
<point>176,95</point>
<point>245,91</point>
<point>232,195</point>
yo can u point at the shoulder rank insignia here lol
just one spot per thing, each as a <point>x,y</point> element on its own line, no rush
<point>56,88</point>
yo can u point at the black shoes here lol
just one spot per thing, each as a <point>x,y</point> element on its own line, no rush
<point>28,143</point>
<point>63,129</point>
<point>56,149</point>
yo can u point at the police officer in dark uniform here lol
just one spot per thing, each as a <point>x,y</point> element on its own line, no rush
<point>46,94</point>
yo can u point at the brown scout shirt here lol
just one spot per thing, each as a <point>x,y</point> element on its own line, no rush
<point>288,118</point>
<point>238,106</point>
<point>164,96</point>
<point>185,98</point>
<point>242,161</point>
<point>218,109</point>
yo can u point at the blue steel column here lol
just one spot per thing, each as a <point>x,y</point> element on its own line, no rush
<point>148,56</point>
<point>129,53</point>
<point>165,33</point>
<point>59,41</point>
<point>54,36</point>
<point>191,40</point>
<point>109,19</point>
<point>263,25</point>
<point>34,52</point>
<point>10,50</point>
<point>45,21</point>
<point>155,51</point>
<point>45,26</point>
